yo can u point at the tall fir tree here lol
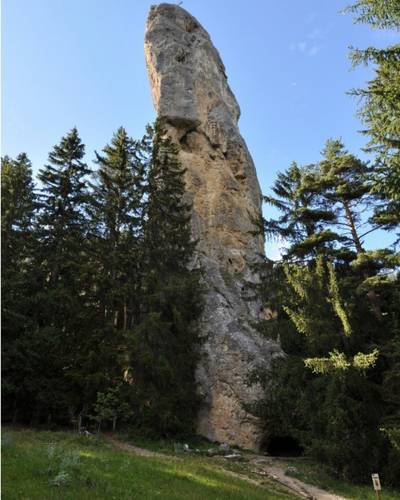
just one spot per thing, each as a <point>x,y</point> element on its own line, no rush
<point>303,222</point>
<point>164,351</point>
<point>118,194</point>
<point>380,109</point>
<point>334,310</point>
<point>66,318</point>
<point>19,281</point>
<point>116,253</point>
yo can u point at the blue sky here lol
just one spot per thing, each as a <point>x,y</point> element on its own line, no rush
<point>81,62</point>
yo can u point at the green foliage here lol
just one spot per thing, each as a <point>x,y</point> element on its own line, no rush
<point>334,306</point>
<point>63,465</point>
<point>302,223</point>
<point>102,300</point>
<point>164,347</point>
<point>377,13</point>
<point>380,109</point>
<point>363,361</point>
<point>19,278</point>
<point>61,382</point>
<point>334,416</point>
<point>116,214</point>
<point>112,405</point>
<point>338,361</point>
<point>315,306</point>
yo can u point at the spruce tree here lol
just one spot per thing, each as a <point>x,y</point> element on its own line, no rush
<point>164,350</point>
<point>379,109</point>
<point>19,287</point>
<point>117,216</point>
<point>334,310</point>
<point>65,319</point>
<point>303,222</point>
<point>116,255</point>
<point>343,182</point>
<point>380,113</point>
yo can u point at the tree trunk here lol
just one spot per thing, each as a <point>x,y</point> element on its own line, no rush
<point>371,294</point>
<point>350,220</point>
<point>14,417</point>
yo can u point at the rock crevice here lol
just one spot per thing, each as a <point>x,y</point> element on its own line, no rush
<point>193,99</point>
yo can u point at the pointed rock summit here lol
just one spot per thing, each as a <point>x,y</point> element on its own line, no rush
<point>192,97</point>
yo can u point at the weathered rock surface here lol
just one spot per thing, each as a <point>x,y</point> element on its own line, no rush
<point>192,97</point>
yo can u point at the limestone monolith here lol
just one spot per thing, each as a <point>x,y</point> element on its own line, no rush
<point>192,97</point>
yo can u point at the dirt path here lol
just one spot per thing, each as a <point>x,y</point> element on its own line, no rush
<point>141,452</point>
<point>302,489</point>
<point>263,469</point>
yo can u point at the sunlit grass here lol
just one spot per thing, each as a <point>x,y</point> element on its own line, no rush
<point>314,473</point>
<point>91,468</point>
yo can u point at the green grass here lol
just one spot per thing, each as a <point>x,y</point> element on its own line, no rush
<point>313,473</point>
<point>307,470</point>
<point>169,446</point>
<point>63,466</point>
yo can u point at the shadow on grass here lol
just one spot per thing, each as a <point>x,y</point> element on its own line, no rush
<point>104,472</point>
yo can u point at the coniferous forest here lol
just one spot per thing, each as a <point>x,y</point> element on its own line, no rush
<point>98,288</point>
<point>101,295</point>
<point>336,304</point>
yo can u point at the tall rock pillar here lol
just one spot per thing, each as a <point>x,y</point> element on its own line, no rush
<point>192,97</point>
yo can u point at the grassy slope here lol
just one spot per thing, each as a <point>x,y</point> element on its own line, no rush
<point>307,471</point>
<point>312,473</point>
<point>87,468</point>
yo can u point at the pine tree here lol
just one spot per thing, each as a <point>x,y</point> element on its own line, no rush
<point>165,346</point>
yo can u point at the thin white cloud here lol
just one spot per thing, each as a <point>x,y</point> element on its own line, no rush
<point>315,34</point>
<point>311,45</point>
<point>302,46</point>
<point>305,47</point>
<point>313,50</point>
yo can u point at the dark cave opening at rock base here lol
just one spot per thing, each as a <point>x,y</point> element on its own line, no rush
<point>282,446</point>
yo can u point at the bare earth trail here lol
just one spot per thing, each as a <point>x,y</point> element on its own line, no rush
<point>135,450</point>
<point>260,463</point>
<point>302,489</point>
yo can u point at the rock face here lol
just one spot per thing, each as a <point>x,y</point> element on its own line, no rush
<point>192,97</point>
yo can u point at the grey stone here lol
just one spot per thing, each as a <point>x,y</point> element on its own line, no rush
<point>224,448</point>
<point>193,99</point>
<point>234,456</point>
<point>212,452</point>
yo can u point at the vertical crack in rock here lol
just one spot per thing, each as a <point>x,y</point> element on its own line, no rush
<point>192,97</point>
